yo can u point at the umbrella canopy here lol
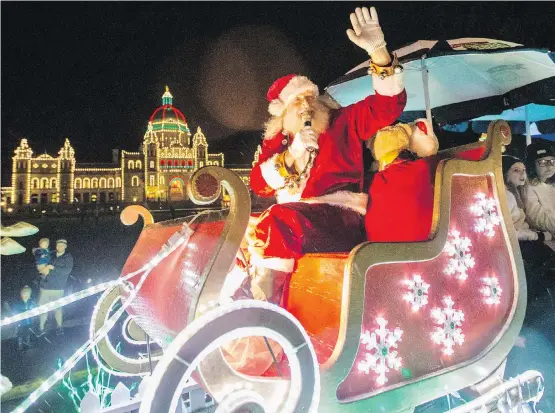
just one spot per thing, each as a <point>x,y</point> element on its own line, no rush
<point>530,119</point>
<point>531,113</point>
<point>465,78</point>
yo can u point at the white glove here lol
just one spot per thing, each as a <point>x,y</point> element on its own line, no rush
<point>366,32</point>
<point>303,140</point>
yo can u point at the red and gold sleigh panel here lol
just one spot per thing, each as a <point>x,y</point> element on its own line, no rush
<point>422,319</point>
<point>163,305</point>
<point>187,259</point>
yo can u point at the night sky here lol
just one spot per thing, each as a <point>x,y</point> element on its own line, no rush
<point>95,71</point>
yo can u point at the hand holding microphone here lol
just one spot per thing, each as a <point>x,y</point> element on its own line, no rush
<point>305,141</point>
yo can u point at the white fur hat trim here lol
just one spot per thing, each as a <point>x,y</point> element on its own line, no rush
<point>296,86</point>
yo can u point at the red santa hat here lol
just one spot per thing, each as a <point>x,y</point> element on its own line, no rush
<point>284,91</point>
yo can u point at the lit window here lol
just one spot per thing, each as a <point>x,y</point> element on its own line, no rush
<point>53,183</point>
<point>118,182</point>
<point>152,180</point>
<point>44,183</point>
<point>77,183</point>
<point>162,181</point>
<point>94,183</point>
<point>139,164</point>
<point>110,182</point>
<point>35,183</point>
<point>130,165</point>
<point>102,183</point>
<point>152,164</point>
<point>86,183</point>
<point>135,181</point>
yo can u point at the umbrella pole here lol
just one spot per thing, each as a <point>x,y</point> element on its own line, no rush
<point>528,133</point>
<point>426,89</point>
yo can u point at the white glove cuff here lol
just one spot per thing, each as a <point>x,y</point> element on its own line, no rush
<point>297,148</point>
<point>377,41</point>
<point>296,153</point>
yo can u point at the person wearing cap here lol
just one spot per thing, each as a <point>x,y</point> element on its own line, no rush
<point>52,286</point>
<point>517,189</point>
<point>540,200</point>
<point>312,163</point>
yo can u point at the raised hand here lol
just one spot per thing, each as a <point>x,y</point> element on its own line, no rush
<point>366,32</point>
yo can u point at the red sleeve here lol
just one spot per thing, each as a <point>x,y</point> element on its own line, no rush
<point>375,112</point>
<point>270,147</point>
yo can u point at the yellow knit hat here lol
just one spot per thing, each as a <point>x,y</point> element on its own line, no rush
<point>389,142</point>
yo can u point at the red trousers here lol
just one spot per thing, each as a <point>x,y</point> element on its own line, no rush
<point>275,241</point>
<point>287,231</point>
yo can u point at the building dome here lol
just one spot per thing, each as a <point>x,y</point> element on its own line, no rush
<point>167,118</point>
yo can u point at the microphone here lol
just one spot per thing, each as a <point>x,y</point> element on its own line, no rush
<point>307,121</point>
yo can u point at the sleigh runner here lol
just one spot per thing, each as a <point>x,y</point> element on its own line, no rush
<point>384,327</point>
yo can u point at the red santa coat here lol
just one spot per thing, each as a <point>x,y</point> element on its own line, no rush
<point>336,177</point>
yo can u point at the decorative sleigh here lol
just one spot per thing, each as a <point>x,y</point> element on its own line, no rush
<point>382,328</point>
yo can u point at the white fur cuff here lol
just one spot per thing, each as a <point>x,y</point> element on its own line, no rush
<point>273,263</point>
<point>356,201</point>
<point>423,144</point>
<point>270,174</point>
<point>390,86</point>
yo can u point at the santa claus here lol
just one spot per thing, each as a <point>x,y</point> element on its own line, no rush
<point>312,162</point>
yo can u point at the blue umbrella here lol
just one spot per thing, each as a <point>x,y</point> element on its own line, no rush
<point>530,119</point>
<point>527,114</point>
<point>461,79</point>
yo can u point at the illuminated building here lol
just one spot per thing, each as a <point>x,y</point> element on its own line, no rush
<point>158,171</point>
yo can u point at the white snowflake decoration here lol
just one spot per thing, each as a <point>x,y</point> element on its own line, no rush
<point>458,249</point>
<point>381,341</point>
<point>492,291</point>
<point>486,211</point>
<point>450,320</point>
<point>418,292</point>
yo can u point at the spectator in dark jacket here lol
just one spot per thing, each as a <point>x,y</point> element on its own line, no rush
<point>53,283</point>
<point>23,327</point>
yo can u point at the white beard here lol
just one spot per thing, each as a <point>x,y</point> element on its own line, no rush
<point>293,123</point>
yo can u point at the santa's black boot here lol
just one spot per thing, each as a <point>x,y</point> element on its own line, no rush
<point>268,284</point>
<point>244,291</point>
